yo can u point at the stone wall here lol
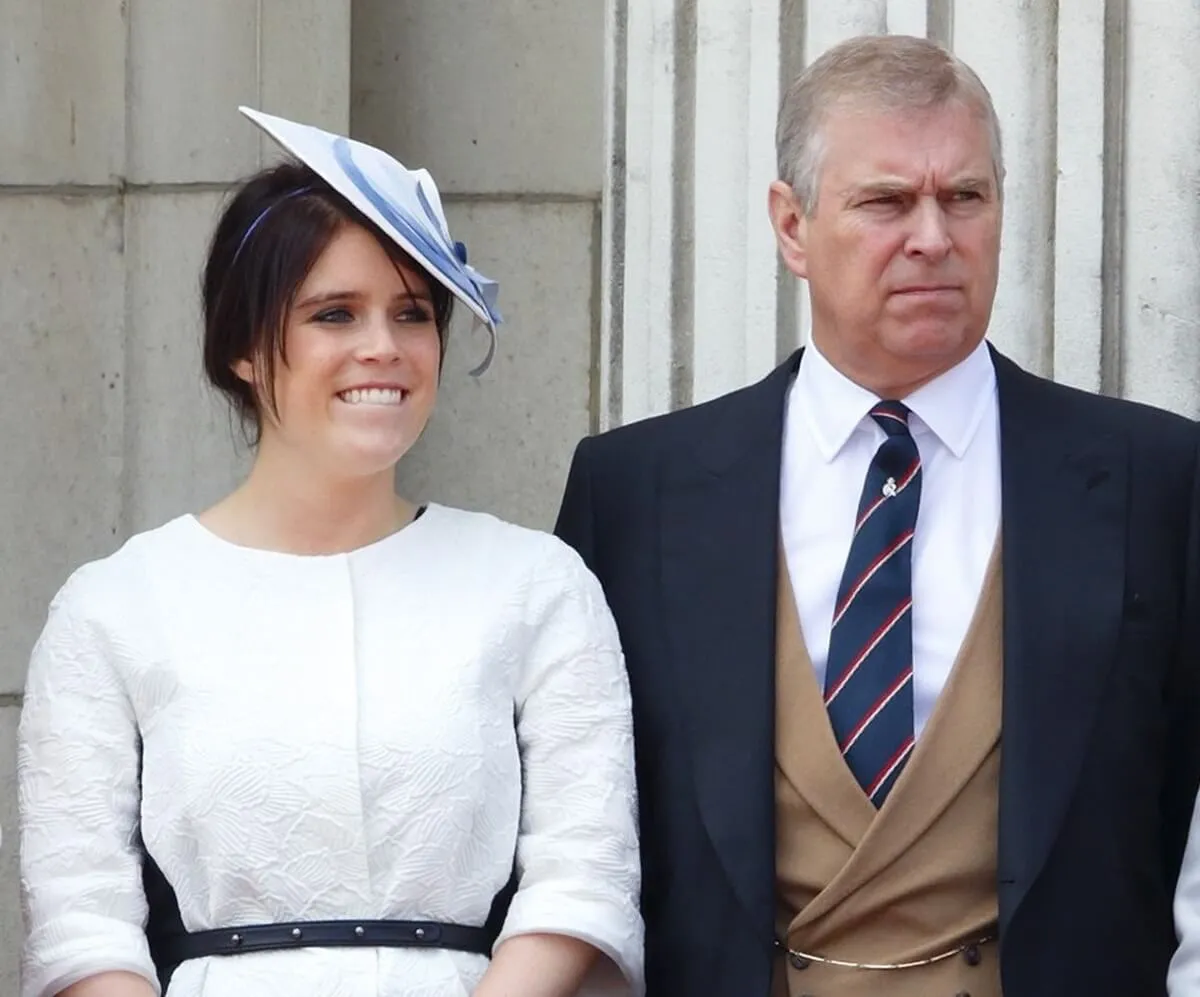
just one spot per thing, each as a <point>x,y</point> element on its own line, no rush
<point>120,136</point>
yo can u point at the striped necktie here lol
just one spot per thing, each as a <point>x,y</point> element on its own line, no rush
<point>868,676</point>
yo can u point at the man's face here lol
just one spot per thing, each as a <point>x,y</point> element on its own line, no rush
<point>902,251</point>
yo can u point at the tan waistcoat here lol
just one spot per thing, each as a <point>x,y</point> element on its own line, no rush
<point>915,878</point>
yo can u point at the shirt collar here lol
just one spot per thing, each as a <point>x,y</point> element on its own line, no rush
<point>951,406</point>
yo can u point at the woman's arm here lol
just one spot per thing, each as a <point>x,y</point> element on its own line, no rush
<point>111,985</point>
<point>573,925</point>
<point>1179,797</point>
<point>1183,976</point>
<point>536,966</point>
<point>78,761</point>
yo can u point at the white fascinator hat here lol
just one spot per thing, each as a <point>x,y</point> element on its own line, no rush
<point>404,203</point>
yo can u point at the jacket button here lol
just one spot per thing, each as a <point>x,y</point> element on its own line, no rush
<point>962,993</point>
<point>798,962</point>
<point>974,958</point>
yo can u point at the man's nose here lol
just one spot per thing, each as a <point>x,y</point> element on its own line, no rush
<point>930,234</point>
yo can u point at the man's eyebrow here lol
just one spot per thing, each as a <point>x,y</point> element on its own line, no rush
<point>876,188</point>
<point>979,183</point>
<point>883,188</point>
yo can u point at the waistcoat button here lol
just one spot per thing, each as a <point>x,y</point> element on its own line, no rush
<point>974,958</point>
<point>798,962</point>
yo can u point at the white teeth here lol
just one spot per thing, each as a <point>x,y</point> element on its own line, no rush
<point>372,396</point>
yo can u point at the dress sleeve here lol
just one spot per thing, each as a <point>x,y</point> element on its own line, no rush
<point>1183,977</point>
<point>577,849</point>
<point>77,777</point>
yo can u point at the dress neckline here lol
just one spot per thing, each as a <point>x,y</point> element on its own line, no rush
<point>419,523</point>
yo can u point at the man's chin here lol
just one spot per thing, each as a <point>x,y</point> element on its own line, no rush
<point>929,341</point>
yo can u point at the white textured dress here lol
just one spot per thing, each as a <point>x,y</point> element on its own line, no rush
<point>363,735</point>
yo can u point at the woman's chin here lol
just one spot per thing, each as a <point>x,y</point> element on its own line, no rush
<point>368,458</point>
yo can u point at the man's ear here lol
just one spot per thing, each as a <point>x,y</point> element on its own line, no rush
<point>791,227</point>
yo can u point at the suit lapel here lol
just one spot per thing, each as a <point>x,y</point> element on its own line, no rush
<point>720,516</point>
<point>1063,515</point>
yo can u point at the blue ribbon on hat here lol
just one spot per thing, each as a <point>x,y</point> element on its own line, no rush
<point>451,264</point>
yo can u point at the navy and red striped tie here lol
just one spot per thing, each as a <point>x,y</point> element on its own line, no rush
<point>868,676</point>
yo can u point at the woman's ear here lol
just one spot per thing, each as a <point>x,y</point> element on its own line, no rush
<point>791,227</point>
<point>244,369</point>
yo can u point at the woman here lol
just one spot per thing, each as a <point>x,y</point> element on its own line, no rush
<point>319,727</point>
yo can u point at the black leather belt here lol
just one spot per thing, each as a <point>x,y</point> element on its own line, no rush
<point>171,943</point>
<point>179,948</point>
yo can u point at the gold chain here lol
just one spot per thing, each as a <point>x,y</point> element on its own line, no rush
<point>845,964</point>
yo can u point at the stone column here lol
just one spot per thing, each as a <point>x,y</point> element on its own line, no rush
<point>121,135</point>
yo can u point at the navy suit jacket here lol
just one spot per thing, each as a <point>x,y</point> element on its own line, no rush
<point>678,516</point>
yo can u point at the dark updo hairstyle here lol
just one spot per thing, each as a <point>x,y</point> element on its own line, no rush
<point>268,239</point>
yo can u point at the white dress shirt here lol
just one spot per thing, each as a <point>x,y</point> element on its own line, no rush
<point>829,440</point>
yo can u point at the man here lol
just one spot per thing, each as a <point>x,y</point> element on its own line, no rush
<point>912,633</point>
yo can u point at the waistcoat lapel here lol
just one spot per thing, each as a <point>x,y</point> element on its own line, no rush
<point>962,731</point>
<point>806,752</point>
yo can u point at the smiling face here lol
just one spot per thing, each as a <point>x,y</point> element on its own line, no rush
<point>358,377</point>
<point>901,252</point>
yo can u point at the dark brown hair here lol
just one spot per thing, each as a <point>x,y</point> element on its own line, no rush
<point>268,239</point>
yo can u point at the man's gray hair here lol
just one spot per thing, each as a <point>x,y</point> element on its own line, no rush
<point>885,72</point>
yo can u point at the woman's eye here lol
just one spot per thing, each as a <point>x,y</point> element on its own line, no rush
<point>414,314</point>
<point>334,315</point>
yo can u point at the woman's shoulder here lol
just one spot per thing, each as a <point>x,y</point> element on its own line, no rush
<point>522,563</point>
<point>482,542</point>
<point>105,587</point>
<point>482,532</point>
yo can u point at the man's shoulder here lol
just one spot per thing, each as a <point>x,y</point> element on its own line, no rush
<point>657,432</point>
<point>648,438</point>
<point>1138,422</point>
